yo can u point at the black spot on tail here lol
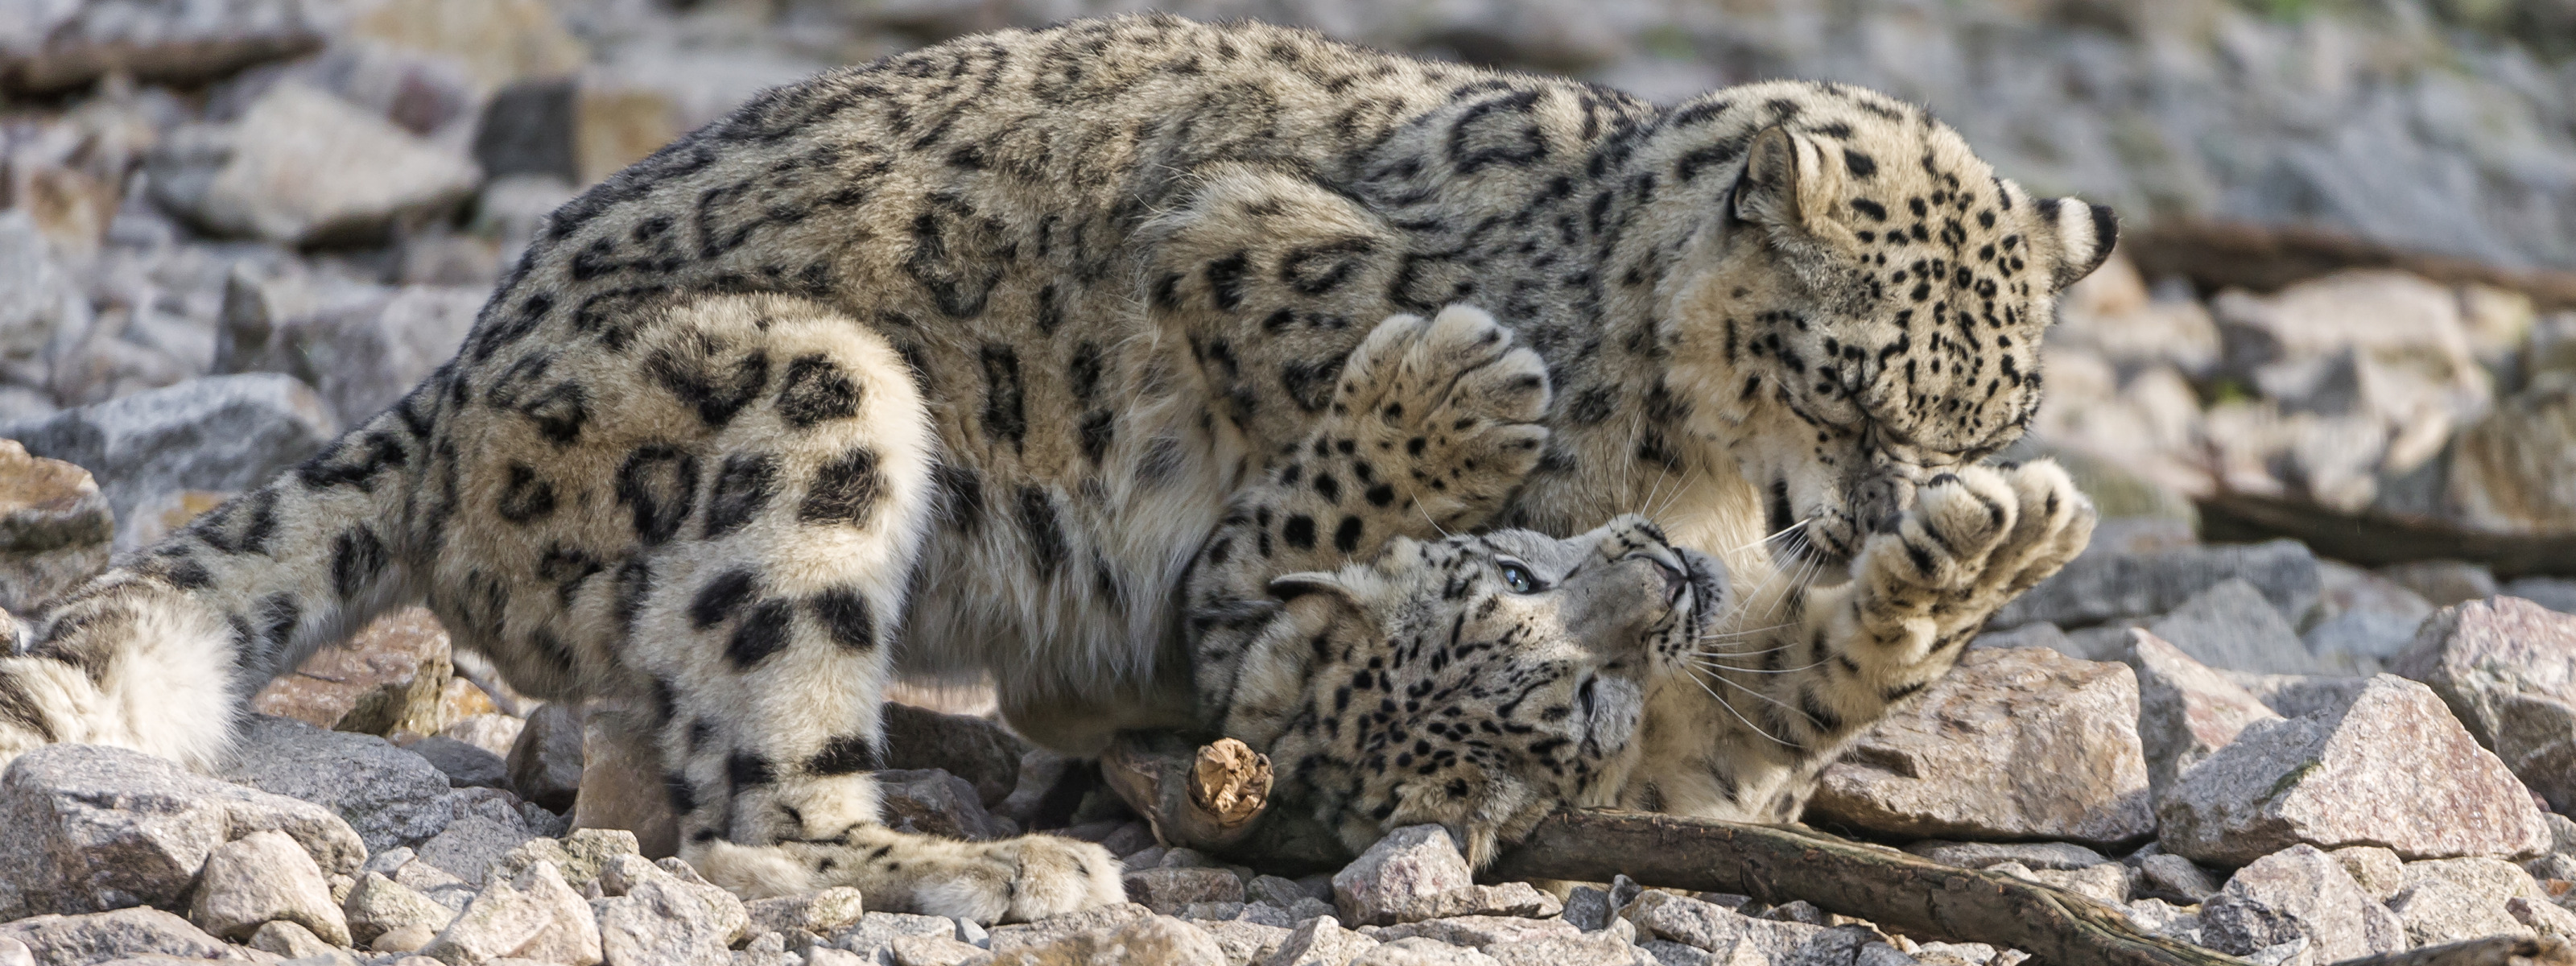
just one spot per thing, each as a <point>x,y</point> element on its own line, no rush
<point>1046,535</point>
<point>763,632</point>
<point>721,597</point>
<point>1005,415</point>
<point>748,768</point>
<point>844,755</point>
<point>961,497</point>
<point>844,490</point>
<point>743,488</point>
<point>524,497</point>
<point>845,615</point>
<point>816,391</point>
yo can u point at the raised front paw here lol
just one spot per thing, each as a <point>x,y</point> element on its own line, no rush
<point>1975,538</point>
<point>1443,412</point>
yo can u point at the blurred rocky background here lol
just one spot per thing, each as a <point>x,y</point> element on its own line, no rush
<point>2310,695</point>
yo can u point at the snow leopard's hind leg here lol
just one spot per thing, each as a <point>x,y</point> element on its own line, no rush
<point>780,543</point>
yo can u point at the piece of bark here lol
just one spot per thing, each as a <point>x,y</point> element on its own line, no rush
<point>2375,537</point>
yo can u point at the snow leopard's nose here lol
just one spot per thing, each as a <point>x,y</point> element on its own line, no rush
<point>1880,500</point>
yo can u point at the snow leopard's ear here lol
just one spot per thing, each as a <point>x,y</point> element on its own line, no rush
<point>2081,235</point>
<point>1787,182</point>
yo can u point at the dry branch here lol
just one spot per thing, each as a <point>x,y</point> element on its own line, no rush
<point>1212,798</point>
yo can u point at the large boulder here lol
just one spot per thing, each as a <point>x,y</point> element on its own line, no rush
<point>2507,668</point>
<point>93,828</point>
<point>55,528</point>
<point>124,935</point>
<point>2013,744</point>
<point>2392,769</point>
<point>226,433</point>
<point>302,167</point>
<point>390,796</point>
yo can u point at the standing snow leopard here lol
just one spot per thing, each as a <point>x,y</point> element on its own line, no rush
<point>1041,353</point>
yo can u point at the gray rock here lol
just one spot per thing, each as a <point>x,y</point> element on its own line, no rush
<point>654,917</point>
<point>2437,911</point>
<point>378,905</point>
<point>1109,941</point>
<point>2173,876</point>
<point>2361,614</point>
<point>53,47</point>
<point>579,855</point>
<point>1418,951</point>
<point>874,930</point>
<point>2299,893</point>
<point>470,845</point>
<point>1477,931</point>
<point>2443,583</point>
<point>1587,950</point>
<point>822,913</point>
<point>465,765</point>
<point>390,796</point>
<point>538,917</point>
<point>2035,855</point>
<point>1507,899</point>
<point>2012,744</point>
<point>224,433</point>
<point>975,749</point>
<point>1588,908</point>
<point>2096,589</point>
<point>55,529</point>
<point>2507,668</point>
<point>2491,881</point>
<point>2232,625</point>
<point>932,951</point>
<point>1663,915</point>
<point>1320,941</point>
<point>1409,863</point>
<point>360,348</point>
<point>2156,917</point>
<point>1273,889</point>
<point>933,801</point>
<point>2555,593</point>
<point>1244,943</point>
<point>264,877</point>
<point>545,762</point>
<point>303,167</point>
<point>2185,709</point>
<point>298,945</point>
<point>2393,769</point>
<point>1669,953</point>
<point>56,940</point>
<point>94,828</point>
<point>1167,890</point>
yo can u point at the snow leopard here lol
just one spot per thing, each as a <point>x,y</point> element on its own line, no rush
<point>1046,355</point>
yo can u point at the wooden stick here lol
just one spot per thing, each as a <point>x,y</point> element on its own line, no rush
<point>1875,883</point>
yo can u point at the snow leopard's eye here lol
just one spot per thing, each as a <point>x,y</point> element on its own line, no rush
<point>1517,576</point>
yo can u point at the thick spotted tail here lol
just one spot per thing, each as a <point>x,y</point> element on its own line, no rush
<point>158,653</point>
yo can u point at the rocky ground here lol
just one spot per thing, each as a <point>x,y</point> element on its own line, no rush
<point>229,228</point>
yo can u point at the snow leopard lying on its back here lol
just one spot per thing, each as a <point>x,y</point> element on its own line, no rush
<point>1040,354</point>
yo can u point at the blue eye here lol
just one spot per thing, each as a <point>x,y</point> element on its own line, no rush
<point>1519,578</point>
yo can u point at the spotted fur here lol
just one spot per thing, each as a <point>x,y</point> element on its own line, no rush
<point>1039,354</point>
